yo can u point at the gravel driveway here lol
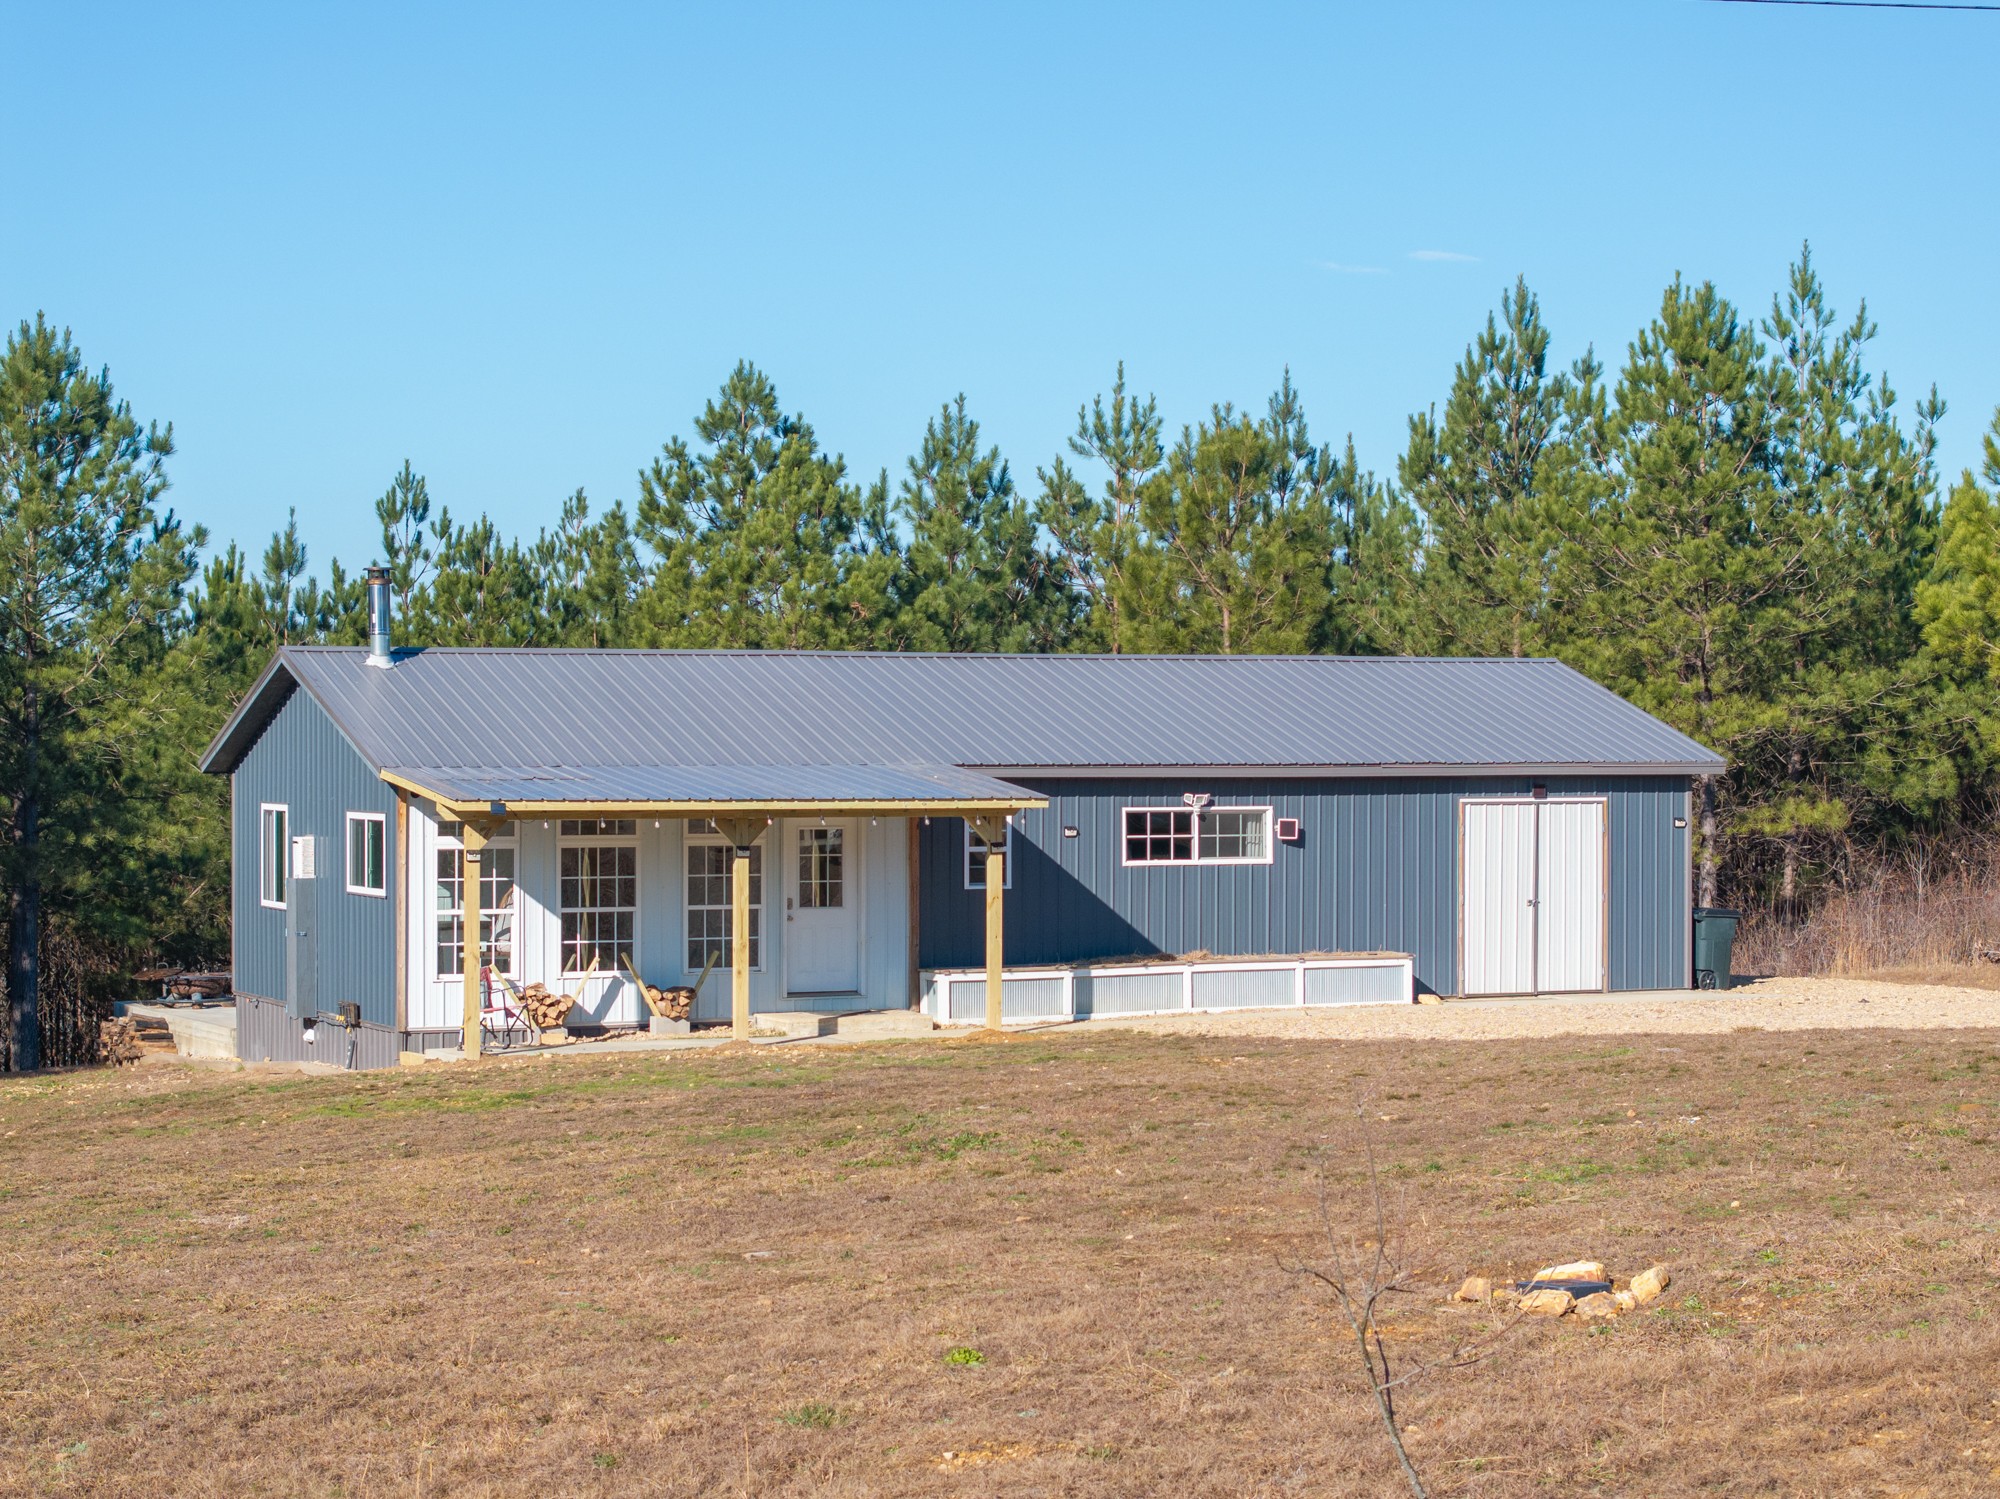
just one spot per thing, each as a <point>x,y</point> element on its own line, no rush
<point>1786,1004</point>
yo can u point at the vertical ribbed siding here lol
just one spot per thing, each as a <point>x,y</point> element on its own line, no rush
<point>1375,870</point>
<point>302,761</point>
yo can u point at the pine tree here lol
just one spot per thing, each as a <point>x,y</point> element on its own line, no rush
<point>976,576</point>
<point>756,538</point>
<point>1238,548</point>
<point>1679,573</point>
<point>1958,604</point>
<point>91,578</point>
<point>408,549</point>
<point>1484,587</point>
<point>1095,536</point>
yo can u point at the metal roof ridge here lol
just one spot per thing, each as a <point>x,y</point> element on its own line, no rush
<point>412,652</point>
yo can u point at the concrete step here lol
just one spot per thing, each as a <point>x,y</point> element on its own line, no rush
<point>884,1024</point>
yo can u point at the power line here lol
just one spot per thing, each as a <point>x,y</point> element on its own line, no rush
<point>1867,4</point>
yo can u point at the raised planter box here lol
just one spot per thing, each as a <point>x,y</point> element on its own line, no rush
<point>957,996</point>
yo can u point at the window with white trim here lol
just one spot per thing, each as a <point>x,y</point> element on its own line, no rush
<point>274,854</point>
<point>1197,835</point>
<point>711,894</point>
<point>976,850</point>
<point>600,893</point>
<point>367,853</point>
<point>496,903</point>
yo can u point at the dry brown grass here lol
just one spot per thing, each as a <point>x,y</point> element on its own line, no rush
<point>743,1274</point>
<point>1939,912</point>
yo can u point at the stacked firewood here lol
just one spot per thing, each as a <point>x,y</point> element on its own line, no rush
<point>676,1003</point>
<point>117,1042</point>
<point>545,1008</point>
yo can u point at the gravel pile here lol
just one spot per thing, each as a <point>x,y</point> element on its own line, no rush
<point>1785,1004</point>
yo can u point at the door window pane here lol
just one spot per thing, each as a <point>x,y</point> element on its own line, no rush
<point>821,860</point>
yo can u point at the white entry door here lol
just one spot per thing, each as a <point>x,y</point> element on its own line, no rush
<point>822,910</point>
<point>1498,880</point>
<point>1534,890</point>
<point>1569,899</point>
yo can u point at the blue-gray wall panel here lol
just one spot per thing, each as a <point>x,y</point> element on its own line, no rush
<point>1376,869</point>
<point>302,761</point>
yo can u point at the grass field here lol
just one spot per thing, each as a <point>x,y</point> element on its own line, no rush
<point>1045,1265</point>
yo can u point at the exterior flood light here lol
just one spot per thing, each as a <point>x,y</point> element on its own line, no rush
<point>311,1029</point>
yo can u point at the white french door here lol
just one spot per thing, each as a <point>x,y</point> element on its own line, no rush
<point>1533,880</point>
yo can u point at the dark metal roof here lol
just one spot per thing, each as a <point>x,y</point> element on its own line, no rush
<point>519,710</point>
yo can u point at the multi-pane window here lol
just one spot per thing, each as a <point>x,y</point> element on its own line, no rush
<point>1235,834</point>
<point>1159,835</point>
<point>976,850</point>
<point>822,868</point>
<point>600,900</point>
<point>710,893</point>
<point>1208,835</point>
<point>274,850</point>
<point>367,861</point>
<point>496,909</point>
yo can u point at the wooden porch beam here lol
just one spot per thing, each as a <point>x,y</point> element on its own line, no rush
<point>742,833</point>
<point>943,807</point>
<point>993,830</point>
<point>472,835</point>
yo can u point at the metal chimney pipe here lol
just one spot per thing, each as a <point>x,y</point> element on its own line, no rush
<point>379,618</point>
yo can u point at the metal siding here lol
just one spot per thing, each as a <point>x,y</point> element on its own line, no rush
<point>302,760</point>
<point>488,708</point>
<point>267,1032</point>
<point>1375,870</point>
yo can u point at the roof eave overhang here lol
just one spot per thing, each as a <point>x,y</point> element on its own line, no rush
<point>1337,772</point>
<point>946,806</point>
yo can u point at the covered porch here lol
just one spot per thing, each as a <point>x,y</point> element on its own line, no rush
<point>787,874</point>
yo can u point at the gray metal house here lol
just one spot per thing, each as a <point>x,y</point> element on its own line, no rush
<point>1494,826</point>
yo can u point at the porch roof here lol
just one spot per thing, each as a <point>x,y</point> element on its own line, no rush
<point>698,790</point>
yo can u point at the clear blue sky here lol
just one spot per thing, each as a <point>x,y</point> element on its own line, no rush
<point>521,246</point>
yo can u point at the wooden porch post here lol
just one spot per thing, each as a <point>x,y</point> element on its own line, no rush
<point>472,836</point>
<point>993,830</point>
<point>741,832</point>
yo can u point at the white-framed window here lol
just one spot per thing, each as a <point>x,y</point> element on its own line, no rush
<point>274,854</point>
<point>976,850</point>
<point>1191,835</point>
<point>496,902</point>
<point>367,853</point>
<point>710,903</point>
<point>598,870</point>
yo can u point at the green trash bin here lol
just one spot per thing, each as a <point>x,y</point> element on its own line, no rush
<point>1714,934</point>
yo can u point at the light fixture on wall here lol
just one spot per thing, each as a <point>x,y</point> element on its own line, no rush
<point>310,1030</point>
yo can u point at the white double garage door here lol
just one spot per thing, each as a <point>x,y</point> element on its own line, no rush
<point>1533,881</point>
